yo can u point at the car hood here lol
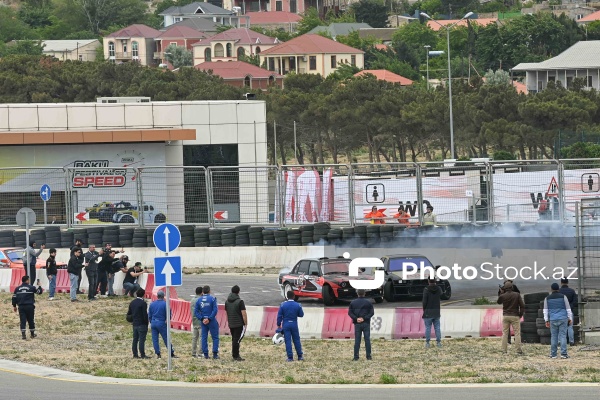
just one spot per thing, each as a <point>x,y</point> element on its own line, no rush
<point>338,278</point>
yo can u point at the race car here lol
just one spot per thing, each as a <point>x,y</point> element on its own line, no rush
<point>95,209</point>
<point>410,285</point>
<point>324,278</point>
<point>132,215</point>
<point>13,258</point>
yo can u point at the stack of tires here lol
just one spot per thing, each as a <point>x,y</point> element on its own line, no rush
<point>242,236</point>
<point>7,239</point>
<point>81,234</point>
<point>201,237</point>
<point>530,324</point>
<point>52,237</point>
<point>294,237</point>
<point>281,237</point>
<point>320,232</point>
<point>334,236</point>
<point>20,238</point>
<point>268,236</point>
<point>373,235</point>
<point>348,236</point>
<point>214,237</point>
<point>38,236</point>
<point>228,237</point>
<point>140,238</point>
<point>307,233</point>
<point>66,239</point>
<point>187,235</point>
<point>149,237</point>
<point>545,334</point>
<point>95,235</point>
<point>255,233</point>
<point>360,232</point>
<point>386,233</point>
<point>111,235</point>
<point>126,237</point>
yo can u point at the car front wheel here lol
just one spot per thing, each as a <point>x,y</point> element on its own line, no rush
<point>288,288</point>
<point>388,291</point>
<point>447,291</point>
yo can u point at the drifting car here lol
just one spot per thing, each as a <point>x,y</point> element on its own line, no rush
<point>410,285</point>
<point>324,278</point>
<point>96,208</point>
<point>107,213</point>
<point>13,258</point>
<point>131,216</point>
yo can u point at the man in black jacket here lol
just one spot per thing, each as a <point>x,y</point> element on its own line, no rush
<point>78,245</point>
<point>361,311</point>
<point>51,271</point>
<point>24,297</point>
<point>571,296</point>
<point>139,313</point>
<point>91,270</point>
<point>431,312</point>
<point>74,269</point>
<point>104,267</point>
<point>237,319</point>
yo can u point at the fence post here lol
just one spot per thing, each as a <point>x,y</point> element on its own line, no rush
<point>561,191</point>
<point>68,195</point>
<point>419,175</point>
<point>351,205</point>
<point>280,211</point>
<point>209,197</point>
<point>490,192</point>
<point>140,197</point>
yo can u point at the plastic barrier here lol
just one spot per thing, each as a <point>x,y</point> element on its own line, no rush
<point>63,282</point>
<point>269,321</point>
<point>85,283</point>
<point>43,278</point>
<point>408,324</point>
<point>172,294</point>
<point>15,280</point>
<point>149,288</point>
<point>491,322</point>
<point>143,279</point>
<point>382,324</point>
<point>464,322</point>
<point>186,316</point>
<point>118,285</point>
<point>181,319</point>
<point>311,325</point>
<point>337,324</point>
<point>5,279</point>
<point>222,320</point>
<point>255,317</point>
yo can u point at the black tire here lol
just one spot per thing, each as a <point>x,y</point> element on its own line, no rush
<point>545,339</point>
<point>255,235</point>
<point>242,242</point>
<point>530,339</point>
<point>529,327</point>
<point>328,296</point>
<point>286,288</point>
<point>127,219</point>
<point>388,291</point>
<point>228,236</point>
<point>544,332</point>
<point>540,323</point>
<point>532,307</point>
<point>228,242</point>
<point>447,291</point>
<point>160,218</point>
<point>201,244</point>
<point>530,317</point>
<point>269,242</point>
<point>540,313</point>
<point>378,300</point>
<point>255,229</point>
<point>216,243</point>
<point>533,298</point>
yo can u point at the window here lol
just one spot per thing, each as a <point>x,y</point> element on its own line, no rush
<point>589,81</point>
<point>569,82</point>
<point>293,6</point>
<point>333,62</point>
<point>312,62</point>
<point>313,269</point>
<point>229,51</point>
<point>247,81</point>
<point>219,50</point>
<point>111,49</point>
<point>303,267</point>
<point>353,60</point>
<point>124,44</point>
<point>177,19</point>
<point>207,54</point>
<point>241,52</point>
<point>134,49</point>
<point>257,51</point>
<point>271,80</point>
<point>81,58</point>
<point>278,6</point>
<point>271,64</point>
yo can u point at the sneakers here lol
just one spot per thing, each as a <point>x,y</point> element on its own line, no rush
<point>427,345</point>
<point>572,344</point>
<point>369,358</point>
<point>145,357</point>
<point>136,356</point>
<point>355,359</point>
<point>215,356</point>
<point>158,356</point>
<point>23,336</point>
<point>439,344</point>
<point>288,360</point>
<point>74,300</point>
<point>206,356</point>
<point>564,357</point>
<point>553,357</point>
<point>50,298</point>
<point>174,356</point>
<point>239,359</point>
<point>300,358</point>
<point>33,335</point>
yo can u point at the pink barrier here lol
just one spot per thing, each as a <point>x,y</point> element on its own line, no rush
<point>63,283</point>
<point>172,293</point>
<point>408,324</point>
<point>181,318</point>
<point>222,320</point>
<point>491,322</point>
<point>337,324</point>
<point>269,321</point>
<point>149,286</point>
<point>15,281</point>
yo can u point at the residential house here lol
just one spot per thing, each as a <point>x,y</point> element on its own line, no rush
<point>311,54</point>
<point>395,21</point>
<point>229,45</point>
<point>175,14</point>
<point>585,20</point>
<point>446,22</point>
<point>582,60</point>
<point>340,28</point>
<point>133,43</point>
<point>385,75</point>
<point>81,50</point>
<point>274,20</point>
<point>182,36</point>
<point>384,35</point>
<point>242,74</point>
<point>199,24</point>
<point>292,6</point>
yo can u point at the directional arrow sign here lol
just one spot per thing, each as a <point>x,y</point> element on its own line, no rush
<point>221,215</point>
<point>82,216</point>
<point>45,192</point>
<point>167,271</point>
<point>167,237</point>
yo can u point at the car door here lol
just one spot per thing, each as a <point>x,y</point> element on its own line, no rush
<point>300,273</point>
<point>4,261</point>
<point>312,275</point>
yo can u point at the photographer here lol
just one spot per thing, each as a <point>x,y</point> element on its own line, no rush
<point>130,284</point>
<point>513,309</point>
<point>91,270</point>
<point>516,290</point>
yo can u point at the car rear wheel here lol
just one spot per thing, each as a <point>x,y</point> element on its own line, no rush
<point>388,291</point>
<point>328,296</point>
<point>447,291</point>
<point>378,300</point>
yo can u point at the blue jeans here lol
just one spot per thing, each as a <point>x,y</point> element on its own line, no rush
<point>291,333</point>
<point>213,328</point>
<point>571,334</point>
<point>111,281</point>
<point>139,336</point>
<point>74,279</point>
<point>558,330</point>
<point>160,327</point>
<point>436,327</point>
<point>130,288</point>
<point>52,285</point>
<point>360,330</point>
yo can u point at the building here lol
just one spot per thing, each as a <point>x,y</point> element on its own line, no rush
<point>274,20</point>
<point>81,50</point>
<point>582,60</point>
<point>384,35</point>
<point>395,21</point>
<point>291,6</point>
<point>201,10</point>
<point>242,74</point>
<point>133,43</point>
<point>464,22</point>
<point>587,19</point>
<point>181,36</point>
<point>231,44</point>
<point>385,75</point>
<point>340,28</point>
<point>199,24</point>
<point>311,54</point>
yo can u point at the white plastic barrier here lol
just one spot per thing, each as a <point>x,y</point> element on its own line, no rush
<point>255,319</point>
<point>382,323</point>
<point>460,322</point>
<point>5,278</point>
<point>311,325</point>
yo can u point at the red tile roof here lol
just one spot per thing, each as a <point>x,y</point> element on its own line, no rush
<point>520,87</point>
<point>385,75</point>
<point>380,46</point>
<point>241,36</point>
<point>590,18</point>
<point>182,32</point>
<point>136,31</point>
<point>446,22</point>
<point>311,44</point>
<point>272,17</point>
<point>236,70</point>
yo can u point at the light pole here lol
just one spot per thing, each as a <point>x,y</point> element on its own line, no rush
<point>447,28</point>
<point>427,47</point>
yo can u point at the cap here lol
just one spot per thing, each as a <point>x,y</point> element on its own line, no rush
<point>138,264</point>
<point>508,285</point>
<point>430,208</point>
<point>554,286</point>
<point>564,280</point>
<point>125,258</point>
<point>160,294</point>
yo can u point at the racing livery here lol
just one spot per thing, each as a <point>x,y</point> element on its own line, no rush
<point>324,278</point>
<point>396,285</point>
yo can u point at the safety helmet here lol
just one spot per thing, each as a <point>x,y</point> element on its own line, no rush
<point>278,338</point>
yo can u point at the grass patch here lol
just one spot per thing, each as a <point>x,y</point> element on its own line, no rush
<point>589,370</point>
<point>461,374</point>
<point>288,379</point>
<point>482,301</point>
<point>388,379</point>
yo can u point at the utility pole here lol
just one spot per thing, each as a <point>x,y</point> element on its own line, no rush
<point>295,144</point>
<point>275,135</point>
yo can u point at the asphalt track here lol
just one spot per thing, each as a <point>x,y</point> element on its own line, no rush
<point>20,381</point>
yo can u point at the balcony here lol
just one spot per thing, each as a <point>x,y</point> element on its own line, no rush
<point>159,55</point>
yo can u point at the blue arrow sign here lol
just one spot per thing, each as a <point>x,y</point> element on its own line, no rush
<point>167,237</point>
<point>45,192</point>
<point>167,271</point>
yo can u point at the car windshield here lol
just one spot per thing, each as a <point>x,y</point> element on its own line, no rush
<point>340,267</point>
<point>398,264</point>
<point>15,255</point>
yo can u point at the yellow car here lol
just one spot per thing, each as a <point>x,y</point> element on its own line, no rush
<point>95,209</point>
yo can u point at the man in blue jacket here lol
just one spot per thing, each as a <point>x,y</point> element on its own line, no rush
<point>287,317</point>
<point>558,316</point>
<point>157,315</point>
<point>572,298</point>
<point>206,312</point>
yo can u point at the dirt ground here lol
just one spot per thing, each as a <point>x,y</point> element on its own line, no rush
<point>94,338</point>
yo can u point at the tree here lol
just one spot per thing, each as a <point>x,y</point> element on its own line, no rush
<point>179,56</point>
<point>97,15</point>
<point>25,47</point>
<point>310,20</point>
<point>499,77</point>
<point>372,12</point>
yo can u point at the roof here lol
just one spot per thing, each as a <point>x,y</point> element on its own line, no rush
<point>445,22</point>
<point>385,75</point>
<point>181,32</point>
<point>377,33</point>
<point>197,8</point>
<point>236,70</point>
<point>311,44</point>
<point>584,54</point>
<point>590,18</point>
<point>65,45</point>
<point>520,87</point>
<point>341,28</point>
<point>240,36</point>
<point>272,17</point>
<point>135,31</point>
<point>199,24</point>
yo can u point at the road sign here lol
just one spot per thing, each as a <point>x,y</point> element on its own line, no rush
<point>82,216</point>
<point>590,182</point>
<point>469,193</point>
<point>25,217</point>
<point>221,215</point>
<point>45,192</point>
<point>167,271</point>
<point>552,188</point>
<point>167,237</point>
<point>375,193</point>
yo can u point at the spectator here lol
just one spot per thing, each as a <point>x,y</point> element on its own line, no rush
<point>558,316</point>
<point>157,315</point>
<point>516,290</point>
<point>195,322</point>
<point>429,218</point>
<point>287,318</point>
<point>377,217</point>
<point>91,271</point>
<point>206,312</point>
<point>104,268</point>
<point>130,285</point>
<point>31,259</point>
<point>361,311</point>
<point>139,313</point>
<point>24,298</point>
<point>74,268</point>
<point>51,271</point>
<point>431,312</point>
<point>117,265</point>
<point>572,299</point>
<point>237,319</point>
<point>513,309</point>
<point>78,245</point>
<point>403,217</point>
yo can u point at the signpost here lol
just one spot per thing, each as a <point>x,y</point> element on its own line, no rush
<point>82,216</point>
<point>167,270</point>
<point>45,194</point>
<point>25,219</point>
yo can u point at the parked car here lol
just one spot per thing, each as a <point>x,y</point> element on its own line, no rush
<point>106,214</point>
<point>324,278</point>
<point>396,287</point>
<point>96,208</point>
<point>132,215</point>
<point>12,257</point>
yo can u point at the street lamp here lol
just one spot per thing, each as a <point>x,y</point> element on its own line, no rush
<point>427,47</point>
<point>449,73</point>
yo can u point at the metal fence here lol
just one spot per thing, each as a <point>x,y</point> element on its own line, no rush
<point>344,194</point>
